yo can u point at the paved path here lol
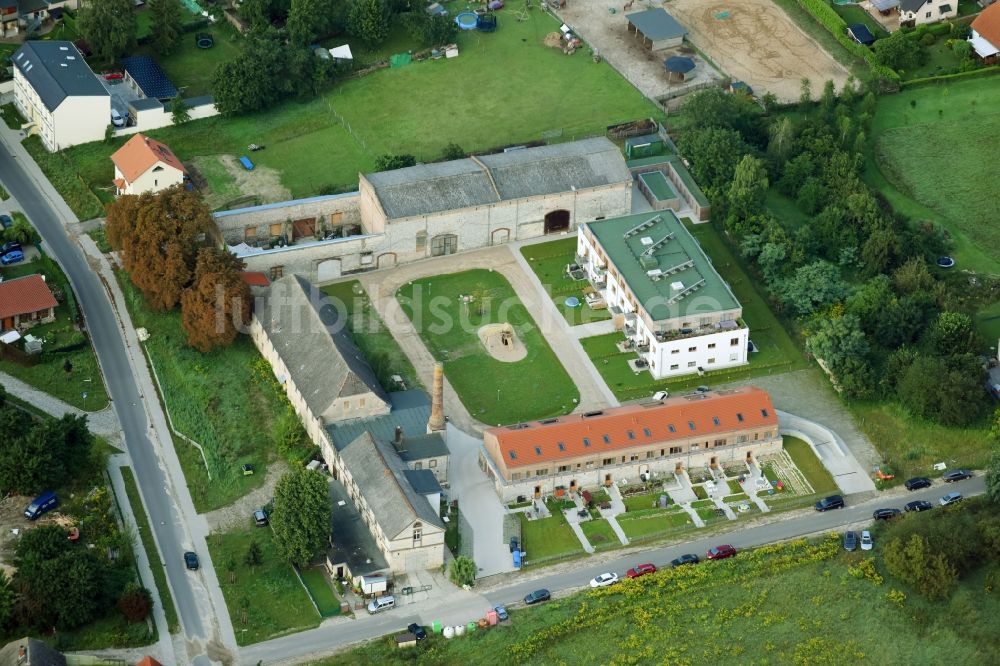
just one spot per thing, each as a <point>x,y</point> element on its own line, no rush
<point>592,329</point>
<point>103,423</point>
<point>617,508</point>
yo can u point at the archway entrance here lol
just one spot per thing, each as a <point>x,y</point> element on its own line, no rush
<point>328,270</point>
<point>500,236</point>
<point>557,221</point>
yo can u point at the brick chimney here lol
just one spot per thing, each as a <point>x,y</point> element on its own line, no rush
<point>436,422</point>
<point>397,440</point>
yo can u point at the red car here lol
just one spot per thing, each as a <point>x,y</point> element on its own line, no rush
<point>640,570</point>
<point>721,552</point>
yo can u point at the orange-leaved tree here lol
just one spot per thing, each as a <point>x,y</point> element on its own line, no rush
<point>217,304</point>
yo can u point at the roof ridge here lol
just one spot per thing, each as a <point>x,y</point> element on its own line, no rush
<point>392,473</point>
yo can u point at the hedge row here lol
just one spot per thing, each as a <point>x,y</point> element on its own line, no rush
<point>943,78</point>
<point>829,19</point>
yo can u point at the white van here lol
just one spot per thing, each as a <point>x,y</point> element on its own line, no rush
<point>381,604</point>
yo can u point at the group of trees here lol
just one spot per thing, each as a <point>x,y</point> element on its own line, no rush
<point>854,274</point>
<point>164,241</point>
<point>301,515</point>
<point>109,26</point>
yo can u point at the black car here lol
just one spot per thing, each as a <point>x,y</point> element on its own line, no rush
<point>514,544</point>
<point>918,505</point>
<point>917,483</point>
<point>685,559</point>
<point>956,475</point>
<point>10,246</point>
<point>6,222</point>
<point>418,632</point>
<point>886,514</point>
<point>831,502</point>
<point>191,560</point>
<point>537,596</point>
<point>850,540</point>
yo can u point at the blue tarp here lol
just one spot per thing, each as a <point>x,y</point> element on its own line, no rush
<point>247,164</point>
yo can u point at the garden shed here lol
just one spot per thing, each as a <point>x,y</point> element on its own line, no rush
<point>679,68</point>
<point>657,29</point>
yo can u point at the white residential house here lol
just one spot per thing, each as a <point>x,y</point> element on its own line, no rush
<point>917,12</point>
<point>62,99</point>
<point>146,165</point>
<point>675,310</point>
<point>985,36</point>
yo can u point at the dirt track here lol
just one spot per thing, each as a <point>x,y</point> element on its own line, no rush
<point>757,44</point>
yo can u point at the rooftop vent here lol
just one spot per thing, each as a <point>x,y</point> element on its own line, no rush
<point>652,248</point>
<point>655,274</point>
<point>642,227</point>
<point>548,421</point>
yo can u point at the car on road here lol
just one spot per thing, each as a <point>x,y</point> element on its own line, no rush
<point>721,552</point>
<point>850,540</point>
<point>886,514</point>
<point>950,498</point>
<point>12,258</point>
<point>10,246</point>
<point>917,482</point>
<point>604,580</point>
<point>116,118</point>
<point>831,502</point>
<point>191,560</point>
<point>918,505</point>
<point>537,596</point>
<point>689,558</point>
<point>6,221</point>
<point>501,613</point>
<point>660,395</point>
<point>956,475</point>
<point>866,540</point>
<point>418,632</point>
<point>640,570</point>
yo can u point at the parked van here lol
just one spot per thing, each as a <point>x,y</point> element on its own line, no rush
<point>44,502</point>
<point>381,604</point>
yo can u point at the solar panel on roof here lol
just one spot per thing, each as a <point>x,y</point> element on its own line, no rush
<point>150,78</point>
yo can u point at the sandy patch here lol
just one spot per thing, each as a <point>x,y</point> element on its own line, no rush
<point>227,180</point>
<point>502,343</point>
<point>757,43</point>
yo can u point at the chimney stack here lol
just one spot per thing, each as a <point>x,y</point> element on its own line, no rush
<point>397,441</point>
<point>436,422</point>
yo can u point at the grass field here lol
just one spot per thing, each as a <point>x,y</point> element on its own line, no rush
<point>62,171</point>
<point>321,592</point>
<point>599,534</point>
<point>155,563</point>
<point>271,596</point>
<point>226,400</point>
<point>931,143</point>
<point>653,523</point>
<point>548,538</point>
<point>810,466</point>
<point>532,388</point>
<point>191,69</point>
<point>417,110</point>
<point>371,336</point>
<point>549,261</point>
<point>855,14</point>
<point>774,605</point>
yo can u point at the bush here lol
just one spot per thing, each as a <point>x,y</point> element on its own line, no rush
<point>928,39</point>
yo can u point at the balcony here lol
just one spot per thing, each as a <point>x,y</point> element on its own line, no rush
<point>683,333</point>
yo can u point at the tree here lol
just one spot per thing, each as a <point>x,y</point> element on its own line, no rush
<point>255,556</point>
<point>949,391</point>
<point>453,151</point>
<point>462,571</point>
<point>811,287</point>
<point>714,107</point>
<point>993,477</point>
<point>21,231</point>
<point>135,603</point>
<point>180,112</point>
<point>953,333</point>
<point>216,307</point>
<point>168,25</point>
<point>771,261</point>
<point>158,236</point>
<point>109,27</point>
<point>836,340</point>
<point>430,29</point>
<point>714,153</point>
<point>899,52</point>
<point>915,563</point>
<point>391,162</point>
<point>301,517</point>
<point>748,189</point>
<point>368,20</point>
<point>309,19</point>
<point>267,70</point>
<point>41,455</point>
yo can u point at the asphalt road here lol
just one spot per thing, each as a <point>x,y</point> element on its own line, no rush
<point>104,330</point>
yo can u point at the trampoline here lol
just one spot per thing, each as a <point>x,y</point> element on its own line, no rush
<point>572,302</point>
<point>467,21</point>
<point>945,262</point>
<point>203,40</point>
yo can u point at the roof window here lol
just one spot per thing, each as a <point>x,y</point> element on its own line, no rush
<point>562,447</point>
<point>691,425</point>
<point>513,455</point>
<point>647,432</point>
<point>538,450</point>
<point>764,413</point>
<point>586,441</point>
<point>739,417</point>
<point>715,420</point>
<point>671,428</point>
<point>607,440</point>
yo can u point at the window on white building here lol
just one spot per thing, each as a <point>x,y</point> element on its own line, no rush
<point>734,342</point>
<point>674,366</point>
<point>432,463</point>
<point>711,361</point>
<point>692,349</point>
<point>691,364</point>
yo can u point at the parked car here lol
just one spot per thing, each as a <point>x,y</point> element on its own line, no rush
<point>6,221</point>
<point>260,518</point>
<point>850,540</point>
<point>12,258</point>
<point>956,475</point>
<point>917,483</point>
<point>514,544</point>
<point>44,502</point>
<point>501,613</point>
<point>660,395</point>
<point>381,604</point>
<point>690,558</point>
<point>831,502</point>
<point>418,632</point>
<point>918,505</point>
<point>886,514</point>
<point>604,580</point>
<point>116,118</point>
<point>721,552</point>
<point>640,570</point>
<point>866,540</point>
<point>9,246</point>
<point>191,560</point>
<point>950,498</point>
<point>537,596</point>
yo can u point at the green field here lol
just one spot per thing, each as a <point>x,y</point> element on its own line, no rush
<point>549,261</point>
<point>535,387</point>
<point>319,588</point>
<point>933,144</point>
<point>504,88</point>
<point>548,538</point>
<point>191,69</point>
<point>371,335</point>
<point>773,605</point>
<point>599,534</point>
<point>810,466</point>
<point>270,596</point>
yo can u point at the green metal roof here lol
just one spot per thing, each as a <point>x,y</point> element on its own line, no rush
<point>653,251</point>
<point>679,167</point>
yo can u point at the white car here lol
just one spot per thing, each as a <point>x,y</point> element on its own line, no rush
<point>866,540</point>
<point>660,395</point>
<point>604,580</point>
<point>116,118</point>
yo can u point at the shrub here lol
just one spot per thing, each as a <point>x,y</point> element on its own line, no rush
<point>135,603</point>
<point>928,39</point>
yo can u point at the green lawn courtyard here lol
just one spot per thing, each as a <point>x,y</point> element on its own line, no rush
<point>549,261</point>
<point>548,538</point>
<point>810,466</point>
<point>534,387</point>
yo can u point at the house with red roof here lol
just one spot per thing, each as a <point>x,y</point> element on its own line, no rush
<point>985,37</point>
<point>146,165</point>
<point>25,302</point>
<point>632,443</point>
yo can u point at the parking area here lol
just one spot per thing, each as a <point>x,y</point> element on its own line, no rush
<point>121,93</point>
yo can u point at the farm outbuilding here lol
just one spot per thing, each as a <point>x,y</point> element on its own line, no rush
<point>860,33</point>
<point>657,29</point>
<point>679,68</point>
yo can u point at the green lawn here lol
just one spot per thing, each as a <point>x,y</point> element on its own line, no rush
<point>532,388</point>
<point>191,69</point>
<point>155,563</point>
<point>319,588</point>
<point>270,597</point>
<point>933,151</point>
<point>989,323</point>
<point>547,538</point>
<point>940,59</point>
<point>371,335</point>
<point>599,534</point>
<point>549,261</point>
<point>11,116</point>
<point>416,110</point>
<point>810,466</point>
<point>226,400</point>
<point>855,14</point>
<point>654,523</point>
<point>62,171</point>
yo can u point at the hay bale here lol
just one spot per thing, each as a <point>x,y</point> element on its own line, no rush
<point>553,40</point>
